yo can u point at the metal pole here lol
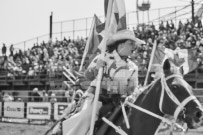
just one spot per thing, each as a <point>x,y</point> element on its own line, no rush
<point>24,45</point>
<point>137,17</point>
<point>148,17</point>
<point>128,22</point>
<point>192,4</point>
<point>61,31</point>
<point>159,14</point>
<point>37,40</point>
<point>50,24</point>
<point>86,27</point>
<point>73,29</point>
<point>175,17</point>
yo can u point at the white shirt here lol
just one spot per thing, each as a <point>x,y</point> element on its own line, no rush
<point>124,74</point>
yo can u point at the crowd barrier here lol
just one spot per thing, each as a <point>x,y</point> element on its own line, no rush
<point>32,111</point>
<point>47,111</point>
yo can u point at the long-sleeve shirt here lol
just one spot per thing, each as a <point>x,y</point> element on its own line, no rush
<point>120,76</point>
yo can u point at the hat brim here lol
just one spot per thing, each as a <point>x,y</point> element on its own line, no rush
<point>126,35</point>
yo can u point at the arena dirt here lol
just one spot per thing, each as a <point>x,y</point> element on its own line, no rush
<point>22,129</point>
<point>25,129</point>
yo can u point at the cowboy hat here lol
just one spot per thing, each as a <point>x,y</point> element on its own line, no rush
<point>122,35</point>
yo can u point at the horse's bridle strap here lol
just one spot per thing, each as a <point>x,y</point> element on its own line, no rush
<point>182,104</point>
<point>149,112</point>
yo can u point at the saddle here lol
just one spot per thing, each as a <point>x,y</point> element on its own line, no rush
<point>111,110</point>
<point>101,127</point>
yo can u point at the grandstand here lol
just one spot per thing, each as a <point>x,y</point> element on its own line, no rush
<point>40,62</point>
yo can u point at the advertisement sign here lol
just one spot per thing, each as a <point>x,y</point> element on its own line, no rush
<point>14,109</point>
<point>0,108</point>
<point>38,110</point>
<point>59,109</point>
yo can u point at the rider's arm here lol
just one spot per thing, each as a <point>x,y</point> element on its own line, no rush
<point>92,71</point>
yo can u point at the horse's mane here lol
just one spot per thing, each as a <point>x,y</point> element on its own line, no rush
<point>144,94</point>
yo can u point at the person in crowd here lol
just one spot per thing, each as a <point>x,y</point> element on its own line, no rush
<point>1,96</point>
<point>69,94</point>
<point>19,99</point>
<point>3,50</point>
<point>11,50</point>
<point>45,96</point>
<point>53,98</point>
<point>36,96</point>
<point>7,97</point>
<point>120,77</point>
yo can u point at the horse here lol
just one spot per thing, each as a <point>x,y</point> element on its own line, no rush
<point>170,95</point>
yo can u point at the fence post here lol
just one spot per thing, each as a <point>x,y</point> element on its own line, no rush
<point>37,40</point>
<point>137,17</point>
<point>159,14</point>
<point>86,27</point>
<point>148,16</point>
<point>61,31</point>
<point>73,29</point>
<point>24,45</point>
<point>175,17</point>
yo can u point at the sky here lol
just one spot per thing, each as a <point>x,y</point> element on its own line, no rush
<point>22,20</point>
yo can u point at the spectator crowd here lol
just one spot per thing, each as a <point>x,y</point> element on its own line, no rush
<point>50,57</point>
<point>44,58</point>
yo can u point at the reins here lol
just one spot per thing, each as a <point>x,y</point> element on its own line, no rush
<point>180,105</point>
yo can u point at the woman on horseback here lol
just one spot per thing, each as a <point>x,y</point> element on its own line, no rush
<point>119,80</point>
<point>120,73</point>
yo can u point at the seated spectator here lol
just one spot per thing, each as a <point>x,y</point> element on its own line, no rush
<point>19,99</point>
<point>36,96</point>
<point>4,50</point>
<point>45,96</point>
<point>69,95</point>
<point>53,98</point>
<point>7,97</point>
<point>31,72</point>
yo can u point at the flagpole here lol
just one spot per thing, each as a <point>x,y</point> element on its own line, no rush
<point>87,43</point>
<point>100,73</point>
<point>150,62</point>
<point>69,72</point>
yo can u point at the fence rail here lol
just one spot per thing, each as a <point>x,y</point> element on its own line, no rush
<point>44,111</point>
<point>78,28</point>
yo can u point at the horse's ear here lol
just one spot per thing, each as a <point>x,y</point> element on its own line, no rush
<point>181,70</point>
<point>167,67</point>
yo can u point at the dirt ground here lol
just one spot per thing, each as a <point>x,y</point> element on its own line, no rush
<point>25,129</point>
<point>22,129</point>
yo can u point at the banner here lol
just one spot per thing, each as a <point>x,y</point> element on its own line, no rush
<point>14,109</point>
<point>59,109</point>
<point>38,110</point>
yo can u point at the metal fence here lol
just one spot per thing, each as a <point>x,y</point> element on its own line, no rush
<point>78,28</point>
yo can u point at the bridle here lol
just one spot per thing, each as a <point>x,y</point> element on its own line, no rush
<point>180,105</point>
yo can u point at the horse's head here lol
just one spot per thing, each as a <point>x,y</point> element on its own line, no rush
<point>177,99</point>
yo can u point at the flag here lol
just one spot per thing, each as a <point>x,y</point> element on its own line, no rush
<point>190,59</point>
<point>185,58</point>
<point>118,17</point>
<point>94,40</point>
<point>199,12</point>
<point>160,55</point>
<point>92,43</point>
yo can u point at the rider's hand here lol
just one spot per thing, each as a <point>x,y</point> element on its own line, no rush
<point>100,63</point>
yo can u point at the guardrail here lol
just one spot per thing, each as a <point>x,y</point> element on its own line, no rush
<point>28,112</point>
